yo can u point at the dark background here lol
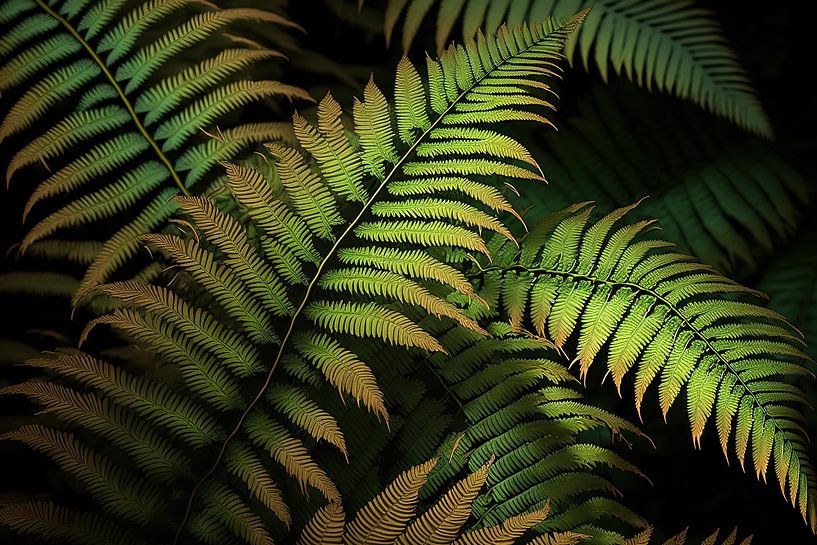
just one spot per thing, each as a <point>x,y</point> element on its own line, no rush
<point>776,41</point>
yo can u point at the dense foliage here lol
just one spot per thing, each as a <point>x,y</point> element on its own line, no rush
<point>386,315</point>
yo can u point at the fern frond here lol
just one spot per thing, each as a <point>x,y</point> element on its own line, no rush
<point>290,453</point>
<point>228,508</point>
<point>307,415</point>
<point>121,494</point>
<point>249,467</point>
<point>517,410</point>
<point>38,283</point>
<point>203,375</point>
<point>679,338</point>
<point>339,164</point>
<point>741,192</point>
<point>559,538</point>
<point>150,452</point>
<point>343,370</point>
<point>673,46</point>
<point>50,521</point>
<point>443,521</point>
<point>325,527</point>
<point>201,326</point>
<point>120,247</point>
<point>507,532</point>
<point>151,400</point>
<point>384,518</point>
<point>140,82</point>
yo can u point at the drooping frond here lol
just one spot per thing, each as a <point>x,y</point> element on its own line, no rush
<point>294,287</point>
<point>725,197</point>
<point>671,321</point>
<point>672,46</point>
<point>126,94</point>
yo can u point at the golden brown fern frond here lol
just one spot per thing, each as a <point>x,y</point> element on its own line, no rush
<point>390,517</point>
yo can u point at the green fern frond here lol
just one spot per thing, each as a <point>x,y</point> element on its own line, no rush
<point>725,197</point>
<point>226,506</point>
<point>137,101</point>
<point>249,467</point>
<point>516,409</point>
<point>152,453</point>
<point>152,401</point>
<point>674,47</point>
<point>266,307</point>
<point>120,494</point>
<point>673,322</point>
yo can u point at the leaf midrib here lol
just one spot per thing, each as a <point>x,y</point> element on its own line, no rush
<point>125,101</point>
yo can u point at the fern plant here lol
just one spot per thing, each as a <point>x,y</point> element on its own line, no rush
<point>126,124</point>
<point>313,284</point>
<point>337,312</point>
<point>674,46</point>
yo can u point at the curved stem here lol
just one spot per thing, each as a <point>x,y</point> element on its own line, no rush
<point>128,106</point>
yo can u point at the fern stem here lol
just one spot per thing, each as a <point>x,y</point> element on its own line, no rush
<point>128,106</point>
<point>329,255</point>
<point>663,300</point>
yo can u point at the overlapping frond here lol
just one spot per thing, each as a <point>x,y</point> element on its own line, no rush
<point>294,287</point>
<point>391,517</point>
<point>723,196</point>
<point>519,408</point>
<point>123,92</point>
<point>671,322</point>
<point>674,46</point>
